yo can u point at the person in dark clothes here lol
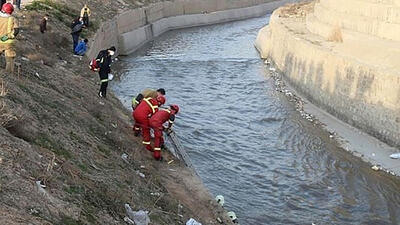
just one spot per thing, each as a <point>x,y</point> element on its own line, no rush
<point>104,61</point>
<point>43,24</point>
<point>2,3</point>
<point>76,29</point>
<point>18,3</point>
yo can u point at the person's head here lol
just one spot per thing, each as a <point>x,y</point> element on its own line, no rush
<point>161,91</point>
<point>86,40</point>
<point>111,51</point>
<point>46,17</point>
<point>7,8</point>
<point>174,108</point>
<point>161,100</point>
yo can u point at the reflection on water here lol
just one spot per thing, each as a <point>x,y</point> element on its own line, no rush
<point>247,142</point>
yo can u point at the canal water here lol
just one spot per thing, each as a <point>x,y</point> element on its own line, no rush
<point>247,142</point>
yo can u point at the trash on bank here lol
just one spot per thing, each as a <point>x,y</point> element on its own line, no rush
<point>232,216</point>
<point>220,200</point>
<point>124,157</point>
<point>140,174</point>
<point>139,217</point>
<point>192,222</point>
<point>395,156</point>
<point>375,167</point>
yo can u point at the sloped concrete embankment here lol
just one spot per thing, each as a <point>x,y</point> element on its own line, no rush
<point>356,80</point>
<point>133,28</point>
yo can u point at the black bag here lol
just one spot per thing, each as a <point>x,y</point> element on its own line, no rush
<point>77,28</point>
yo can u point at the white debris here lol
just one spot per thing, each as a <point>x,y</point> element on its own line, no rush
<point>375,167</point>
<point>395,156</point>
<point>124,157</point>
<point>272,69</point>
<point>220,200</point>
<point>41,187</point>
<point>37,74</point>
<point>192,222</point>
<point>129,221</point>
<point>140,174</point>
<point>139,217</point>
<point>232,215</point>
<point>155,194</point>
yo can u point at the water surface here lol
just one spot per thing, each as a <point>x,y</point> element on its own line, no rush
<point>246,140</point>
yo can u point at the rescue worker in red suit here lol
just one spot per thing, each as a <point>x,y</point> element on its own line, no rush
<point>142,114</point>
<point>146,93</point>
<point>157,121</point>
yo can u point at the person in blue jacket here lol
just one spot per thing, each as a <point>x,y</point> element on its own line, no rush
<point>81,47</point>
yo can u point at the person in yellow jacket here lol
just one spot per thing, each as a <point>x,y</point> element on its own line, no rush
<point>85,13</point>
<point>9,29</point>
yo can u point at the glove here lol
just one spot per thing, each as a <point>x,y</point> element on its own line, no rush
<point>4,38</point>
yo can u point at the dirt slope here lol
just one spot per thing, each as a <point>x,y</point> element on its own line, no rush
<point>55,129</point>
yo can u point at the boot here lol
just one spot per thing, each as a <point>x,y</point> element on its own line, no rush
<point>149,148</point>
<point>10,64</point>
<point>157,155</point>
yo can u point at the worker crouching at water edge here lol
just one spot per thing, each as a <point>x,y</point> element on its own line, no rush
<point>9,29</point>
<point>146,93</point>
<point>147,108</point>
<point>156,123</point>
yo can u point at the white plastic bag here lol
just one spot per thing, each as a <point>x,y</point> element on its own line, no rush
<point>395,156</point>
<point>192,222</point>
<point>110,77</point>
<point>140,217</point>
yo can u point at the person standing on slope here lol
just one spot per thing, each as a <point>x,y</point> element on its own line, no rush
<point>104,62</point>
<point>9,30</point>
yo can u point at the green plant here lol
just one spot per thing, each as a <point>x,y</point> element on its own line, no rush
<point>56,147</point>
<point>56,9</point>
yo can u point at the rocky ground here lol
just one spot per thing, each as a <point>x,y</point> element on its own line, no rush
<point>61,146</point>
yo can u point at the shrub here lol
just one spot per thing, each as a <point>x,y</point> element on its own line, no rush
<point>6,117</point>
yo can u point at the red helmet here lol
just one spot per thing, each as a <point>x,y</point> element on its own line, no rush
<point>161,100</point>
<point>175,108</point>
<point>8,8</point>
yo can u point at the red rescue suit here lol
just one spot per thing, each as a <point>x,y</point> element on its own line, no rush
<point>156,122</point>
<point>142,113</point>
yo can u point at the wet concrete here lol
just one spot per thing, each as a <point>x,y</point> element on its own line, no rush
<point>247,141</point>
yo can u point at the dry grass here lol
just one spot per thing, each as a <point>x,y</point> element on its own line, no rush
<point>5,115</point>
<point>336,35</point>
<point>296,10</point>
<point>3,89</point>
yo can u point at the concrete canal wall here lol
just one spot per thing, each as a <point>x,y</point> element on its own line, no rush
<point>131,29</point>
<point>343,56</point>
